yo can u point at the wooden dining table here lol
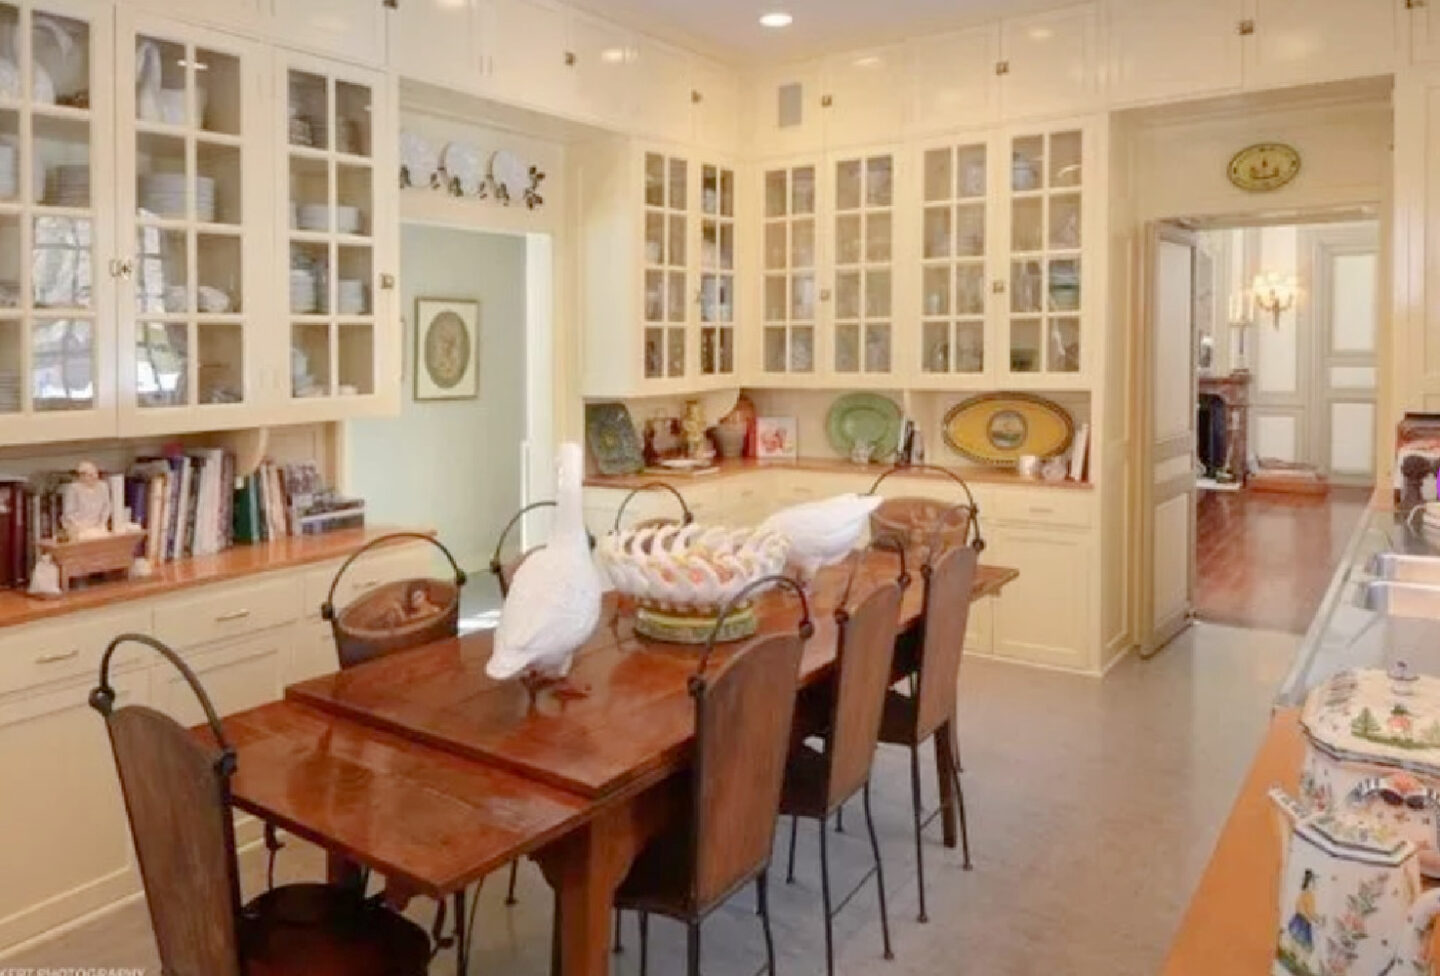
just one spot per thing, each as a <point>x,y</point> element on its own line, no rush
<point>421,768</point>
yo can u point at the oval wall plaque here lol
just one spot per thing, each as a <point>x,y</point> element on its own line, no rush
<point>997,428</point>
<point>1264,167</point>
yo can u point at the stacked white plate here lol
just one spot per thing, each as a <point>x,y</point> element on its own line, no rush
<point>351,300</point>
<point>9,389</point>
<point>303,296</point>
<point>313,216</point>
<point>69,185</point>
<point>347,220</point>
<point>163,194</point>
<point>9,171</point>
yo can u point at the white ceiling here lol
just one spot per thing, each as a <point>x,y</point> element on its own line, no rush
<point>730,29</point>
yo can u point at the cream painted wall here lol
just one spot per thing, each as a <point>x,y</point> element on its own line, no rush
<point>453,465</point>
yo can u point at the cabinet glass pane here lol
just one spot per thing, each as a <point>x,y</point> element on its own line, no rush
<point>776,193</point>
<point>877,237</point>
<point>678,193</point>
<point>937,175</point>
<point>937,290</point>
<point>1065,159</point>
<point>675,352</point>
<point>847,348</point>
<point>162,364</point>
<point>11,365</point>
<point>309,278</point>
<point>727,247</point>
<point>355,200</point>
<point>10,155</point>
<point>775,349</point>
<point>847,239</point>
<point>1065,221</point>
<point>654,353</point>
<point>938,239</point>
<point>352,286</point>
<point>309,111</point>
<point>218,91</point>
<point>727,193</point>
<point>802,190</point>
<point>654,237</point>
<point>356,348</point>
<point>877,294</point>
<point>970,230</point>
<point>709,191</point>
<point>707,351</point>
<point>62,49</point>
<point>675,297</point>
<point>353,111</point>
<point>310,373</point>
<point>877,347</point>
<point>220,362</point>
<point>160,182</point>
<point>970,171</point>
<point>847,295</point>
<point>309,194</point>
<point>1025,345</point>
<point>802,243</point>
<point>1027,220</point>
<point>969,347</point>
<point>774,298</point>
<point>654,180</point>
<point>847,185</point>
<point>802,349</point>
<point>61,160</point>
<point>62,369</point>
<point>1063,355</point>
<point>62,269</point>
<point>217,187</point>
<point>1064,285</point>
<point>970,289</point>
<point>775,245</point>
<point>802,298</point>
<point>1025,286</point>
<point>9,261</point>
<point>935,347</point>
<point>675,253</point>
<point>161,82</point>
<point>654,296</point>
<point>1027,164</point>
<point>879,181</point>
<point>161,271</point>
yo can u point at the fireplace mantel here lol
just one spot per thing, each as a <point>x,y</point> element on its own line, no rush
<point>1234,389</point>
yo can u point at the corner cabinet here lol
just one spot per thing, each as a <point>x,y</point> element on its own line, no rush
<point>658,270</point>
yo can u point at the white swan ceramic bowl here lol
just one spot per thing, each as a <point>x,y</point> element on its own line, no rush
<point>680,577</point>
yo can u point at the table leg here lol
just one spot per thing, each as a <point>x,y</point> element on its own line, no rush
<point>945,773</point>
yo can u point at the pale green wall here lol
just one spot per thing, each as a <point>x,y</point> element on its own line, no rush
<point>453,465</point>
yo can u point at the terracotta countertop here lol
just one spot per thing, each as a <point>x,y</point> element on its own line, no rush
<point>17,607</point>
<point>731,469</point>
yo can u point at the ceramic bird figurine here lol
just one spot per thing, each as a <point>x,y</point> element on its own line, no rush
<point>824,532</point>
<point>553,603</point>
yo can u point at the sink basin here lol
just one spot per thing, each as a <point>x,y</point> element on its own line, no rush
<point>1396,599</point>
<point>1405,569</point>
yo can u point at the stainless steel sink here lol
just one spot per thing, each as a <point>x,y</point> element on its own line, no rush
<point>1396,599</point>
<point>1401,568</point>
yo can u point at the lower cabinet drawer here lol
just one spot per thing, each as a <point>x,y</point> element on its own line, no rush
<point>223,612</point>
<point>1049,506</point>
<point>41,653</point>
<point>237,675</point>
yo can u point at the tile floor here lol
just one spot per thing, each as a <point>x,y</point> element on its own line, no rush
<point>1093,804</point>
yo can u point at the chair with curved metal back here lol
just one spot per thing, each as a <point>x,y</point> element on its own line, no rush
<point>743,714</point>
<point>929,710</point>
<point>914,520</point>
<point>686,516</point>
<point>819,782</point>
<point>177,798</point>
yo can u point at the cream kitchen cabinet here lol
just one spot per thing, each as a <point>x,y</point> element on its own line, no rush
<point>602,65</point>
<point>1424,32</point>
<point>1301,41</point>
<point>244,15</point>
<point>784,110</point>
<point>1044,616</point>
<point>349,29</point>
<point>790,269</point>
<point>1049,63</point>
<point>666,93</point>
<point>863,96</point>
<point>244,673</point>
<point>1165,49</point>
<point>439,41</point>
<point>952,82</point>
<point>527,61</point>
<point>715,101</point>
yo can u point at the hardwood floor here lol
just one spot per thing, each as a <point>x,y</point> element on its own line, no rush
<point>1265,559</point>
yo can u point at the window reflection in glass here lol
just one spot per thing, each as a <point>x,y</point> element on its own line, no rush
<point>63,373</point>
<point>161,364</point>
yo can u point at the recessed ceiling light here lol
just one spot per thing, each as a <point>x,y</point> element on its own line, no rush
<point>776,18</point>
<point>613,55</point>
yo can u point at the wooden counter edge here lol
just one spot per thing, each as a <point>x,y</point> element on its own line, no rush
<point>740,467</point>
<point>1229,926</point>
<point>17,607</point>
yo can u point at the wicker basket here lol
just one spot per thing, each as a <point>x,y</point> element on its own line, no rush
<point>374,623</point>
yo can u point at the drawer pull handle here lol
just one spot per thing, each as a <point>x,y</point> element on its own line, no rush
<point>233,615</point>
<point>1041,510</point>
<point>59,656</point>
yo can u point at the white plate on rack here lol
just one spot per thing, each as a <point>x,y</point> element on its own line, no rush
<point>419,156</point>
<point>462,161</point>
<point>509,170</point>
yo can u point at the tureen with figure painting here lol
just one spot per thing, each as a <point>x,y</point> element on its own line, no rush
<point>1373,747</point>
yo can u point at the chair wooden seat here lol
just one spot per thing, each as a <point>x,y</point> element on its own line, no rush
<point>321,930</point>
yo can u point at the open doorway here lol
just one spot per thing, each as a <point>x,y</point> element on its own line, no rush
<point>1281,321</point>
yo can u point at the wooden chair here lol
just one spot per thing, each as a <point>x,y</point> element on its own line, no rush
<point>818,783</point>
<point>912,719</point>
<point>743,714</point>
<point>177,797</point>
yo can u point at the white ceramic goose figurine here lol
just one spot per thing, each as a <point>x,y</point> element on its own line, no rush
<point>554,601</point>
<point>824,532</point>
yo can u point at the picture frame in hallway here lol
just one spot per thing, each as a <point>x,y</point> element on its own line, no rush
<point>447,349</point>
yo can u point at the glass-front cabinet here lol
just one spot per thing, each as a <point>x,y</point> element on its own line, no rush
<point>667,264</point>
<point>791,265</point>
<point>57,367</point>
<point>717,270</point>
<point>190,135</point>
<point>953,248</point>
<point>862,329</point>
<point>334,278</point>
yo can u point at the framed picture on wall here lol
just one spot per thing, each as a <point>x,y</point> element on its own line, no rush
<point>447,349</point>
<point>775,437</point>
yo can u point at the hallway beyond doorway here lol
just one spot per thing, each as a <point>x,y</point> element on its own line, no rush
<point>1264,559</point>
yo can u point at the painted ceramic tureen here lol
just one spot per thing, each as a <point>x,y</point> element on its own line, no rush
<point>1374,748</point>
<point>681,576</point>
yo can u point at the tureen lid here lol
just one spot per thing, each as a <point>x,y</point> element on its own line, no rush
<point>1386,718</point>
<point>1355,836</point>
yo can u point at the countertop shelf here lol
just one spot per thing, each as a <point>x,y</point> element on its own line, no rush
<point>17,607</point>
<point>731,469</point>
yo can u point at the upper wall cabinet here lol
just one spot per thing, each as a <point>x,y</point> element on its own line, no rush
<point>603,66</point>
<point>1424,33</point>
<point>350,29</point>
<point>1048,63</point>
<point>784,110</point>
<point>1298,41</point>
<point>528,57</point>
<point>715,99</point>
<point>1161,49</point>
<point>952,80</point>
<point>244,14</point>
<point>863,97</point>
<point>439,41</point>
<point>664,108</point>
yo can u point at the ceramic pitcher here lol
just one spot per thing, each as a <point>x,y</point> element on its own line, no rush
<point>1350,897</point>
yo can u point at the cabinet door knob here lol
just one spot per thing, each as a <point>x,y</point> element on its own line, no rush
<point>387,282</point>
<point>1416,4</point>
<point>997,286</point>
<point>827,100</point>
<point>1002,67</point>
<point>122,269</point>
<point>391,4</point>
<point>1245,28</point>
<point>696,96</point>
<point>569,59</point>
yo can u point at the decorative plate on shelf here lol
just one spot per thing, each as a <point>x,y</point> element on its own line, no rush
<point>464,168</point>
<point>418,159</point>
<point>509,172</point>
<point>998,428</point>
<point>611,437</point>
<point>866,417</point>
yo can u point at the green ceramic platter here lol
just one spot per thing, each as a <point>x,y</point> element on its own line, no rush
<point>864,417</point>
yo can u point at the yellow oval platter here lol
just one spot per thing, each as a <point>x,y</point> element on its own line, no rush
<point>997,428</point>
